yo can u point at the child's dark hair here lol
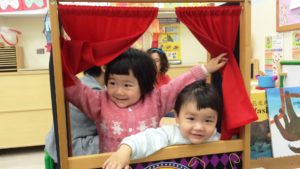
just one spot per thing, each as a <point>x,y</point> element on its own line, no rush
<point>94,71</point>
<point>164,63</point>
<point>141,65</point>
<point>204,94</point>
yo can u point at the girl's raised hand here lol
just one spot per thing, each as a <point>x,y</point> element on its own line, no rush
<point>216,63</point>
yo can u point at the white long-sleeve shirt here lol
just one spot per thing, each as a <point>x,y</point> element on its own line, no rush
<point>151,140</point>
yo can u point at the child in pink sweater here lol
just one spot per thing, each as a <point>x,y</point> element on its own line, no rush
<point>130,103</point>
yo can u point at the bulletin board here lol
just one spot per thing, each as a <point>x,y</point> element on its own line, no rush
<point>287,15</point>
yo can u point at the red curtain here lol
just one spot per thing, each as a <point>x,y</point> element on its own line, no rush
<point>99,34</point>
<point>216,28</point>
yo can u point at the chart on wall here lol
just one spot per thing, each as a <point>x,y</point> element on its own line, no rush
<point>273,53</point>
<point>284,119</point>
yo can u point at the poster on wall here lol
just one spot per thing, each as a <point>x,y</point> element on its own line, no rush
<point>169,40</point>
<point>273,53</point>
<point>296,45</point>
<point>284,119</point>
<point>287,15</point>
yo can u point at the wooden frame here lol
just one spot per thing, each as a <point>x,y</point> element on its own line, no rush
<point>95,161</point>
<point>287,15</point>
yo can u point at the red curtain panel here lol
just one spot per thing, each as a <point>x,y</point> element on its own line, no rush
<point>98,34</point>
<point>216,29</point>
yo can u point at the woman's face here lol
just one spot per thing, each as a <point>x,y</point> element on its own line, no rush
<point>156,58</point>
<point>123,90</point>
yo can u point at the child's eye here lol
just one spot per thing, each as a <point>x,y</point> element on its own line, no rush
<point>111,83</point>
<point>128,85</point>
<point>191,118</point>
<point>209,121</point>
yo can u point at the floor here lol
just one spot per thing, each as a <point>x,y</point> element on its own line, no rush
<point>22,158</point>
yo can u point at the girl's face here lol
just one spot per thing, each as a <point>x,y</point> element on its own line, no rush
<point>196,125</point>
<point>156,58</point>
<point>123,90</point>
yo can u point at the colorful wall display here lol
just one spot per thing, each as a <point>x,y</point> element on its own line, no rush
<point>21,5</point>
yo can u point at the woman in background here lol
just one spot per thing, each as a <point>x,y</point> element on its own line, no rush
<point>162,64</point>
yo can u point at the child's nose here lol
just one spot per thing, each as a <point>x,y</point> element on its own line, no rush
<point>198,126</point>
<point>119,91</point>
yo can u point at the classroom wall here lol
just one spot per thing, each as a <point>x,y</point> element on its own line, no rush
<point>264,24</point>
<point>192,51</point>
<point>31,39</point>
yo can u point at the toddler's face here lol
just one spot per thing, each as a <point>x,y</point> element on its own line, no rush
<point>196,125</point>
<point>156,58</point>
<point>123,90</point>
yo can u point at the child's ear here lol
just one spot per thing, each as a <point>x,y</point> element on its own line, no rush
<point>176,117</point>
<point>102,68</point>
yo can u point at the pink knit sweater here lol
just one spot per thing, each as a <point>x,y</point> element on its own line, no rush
<point>114,123</point>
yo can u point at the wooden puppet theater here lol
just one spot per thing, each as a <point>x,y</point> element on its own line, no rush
<point>97,35</point>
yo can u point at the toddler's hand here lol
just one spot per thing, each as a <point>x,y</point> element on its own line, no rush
<point>216,63</point>
<point>119,159</point>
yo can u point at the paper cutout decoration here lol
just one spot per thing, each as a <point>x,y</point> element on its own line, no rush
<point>21,5</point>
<point>34,4</point>
<point>10,5</point>
<point>9,35</point>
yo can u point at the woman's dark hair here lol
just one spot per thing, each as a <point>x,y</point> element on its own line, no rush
<point>141,65</point>
<point>205,96</point>
<point>94,71</point>
<point>164,63</point>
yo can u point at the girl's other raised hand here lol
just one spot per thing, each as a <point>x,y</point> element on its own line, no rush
<point>216,63</point>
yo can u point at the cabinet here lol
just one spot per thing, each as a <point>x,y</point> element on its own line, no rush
<point>26,113</point>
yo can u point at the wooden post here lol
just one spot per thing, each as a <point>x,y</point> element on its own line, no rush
<point>245,65</point>
<point>59,90</point>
